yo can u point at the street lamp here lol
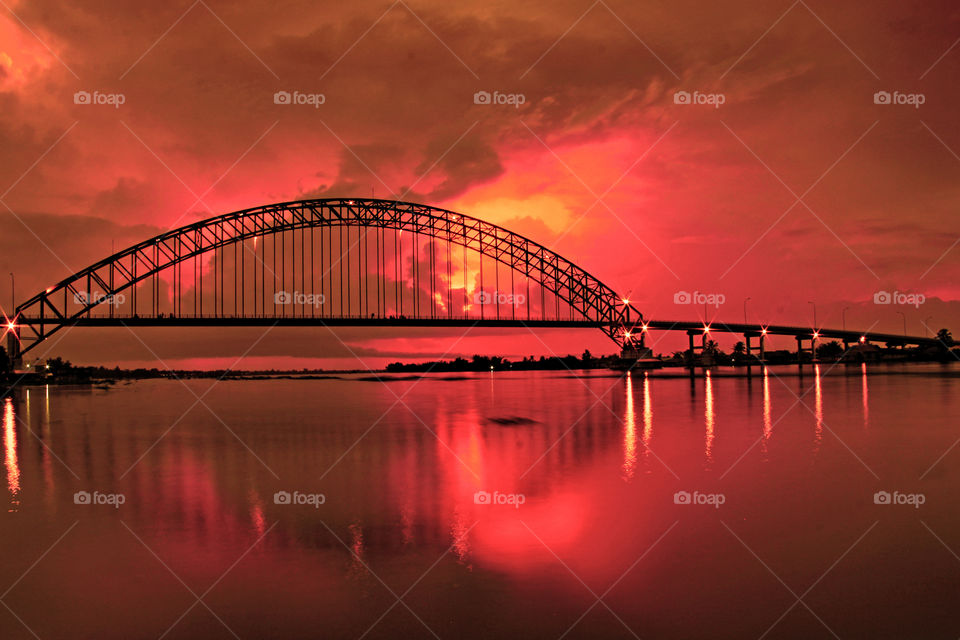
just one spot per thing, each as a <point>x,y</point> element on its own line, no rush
<point>745,300</point>
<point>13,293</point>
<point>814,312</point>
<point>903,315</point>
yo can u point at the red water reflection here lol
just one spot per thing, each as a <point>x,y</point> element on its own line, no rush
<point>647,415</point>
<point>865,393</point>
<point>818,407</point>
<point>708,416</point>
<point>767,408</point>
<point>629,433</point>
<point>10,453</point>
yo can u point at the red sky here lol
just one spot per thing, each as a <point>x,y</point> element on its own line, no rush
<point>798,187</point>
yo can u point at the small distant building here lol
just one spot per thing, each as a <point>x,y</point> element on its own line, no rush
<point>35,367</point>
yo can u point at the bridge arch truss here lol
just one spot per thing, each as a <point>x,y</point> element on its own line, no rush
<point>115,288</point>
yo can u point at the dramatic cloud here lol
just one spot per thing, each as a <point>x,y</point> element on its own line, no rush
<point>663,146</point>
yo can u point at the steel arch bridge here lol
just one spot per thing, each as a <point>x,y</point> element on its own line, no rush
<point>339,262</point>
<point>332,262</point>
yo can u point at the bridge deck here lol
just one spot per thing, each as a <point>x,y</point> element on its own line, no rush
<point>753,330</point>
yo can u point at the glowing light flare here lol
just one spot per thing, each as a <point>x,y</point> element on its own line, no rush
<point>863,339</point>
<point>625,301</point>
<point>763,330</point>
<point>644,328</point>
<point>706,328</point>
<point>10,326</point>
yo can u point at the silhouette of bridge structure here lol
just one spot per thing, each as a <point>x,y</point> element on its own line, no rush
<point>356,262</point>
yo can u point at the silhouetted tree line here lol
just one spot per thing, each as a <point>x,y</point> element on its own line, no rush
<point>498,363</point>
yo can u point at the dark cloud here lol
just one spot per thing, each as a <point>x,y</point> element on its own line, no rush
<point>691,188</point>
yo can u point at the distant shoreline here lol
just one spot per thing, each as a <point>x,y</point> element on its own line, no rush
<point>103,377</point>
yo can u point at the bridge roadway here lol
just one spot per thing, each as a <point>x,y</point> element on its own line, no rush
<point>691,328</point>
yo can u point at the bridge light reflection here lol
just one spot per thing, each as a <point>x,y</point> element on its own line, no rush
<point>767,422</point>
<point>818,408</point>
<point>866,394</point>
<point>10,452</point>
<point>708,415</point>
<point>630,433</point>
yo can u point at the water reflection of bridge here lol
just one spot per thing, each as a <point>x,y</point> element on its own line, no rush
<point>413,487</point>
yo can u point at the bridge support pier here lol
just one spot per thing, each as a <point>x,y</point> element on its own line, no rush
<point>13,348</point>
<point>746,340</point>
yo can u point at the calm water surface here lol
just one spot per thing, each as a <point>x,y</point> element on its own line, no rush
<point>781,536</point>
